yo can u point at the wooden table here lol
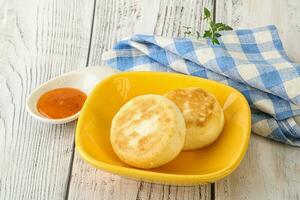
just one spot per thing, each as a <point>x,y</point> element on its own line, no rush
<point>40,39</point>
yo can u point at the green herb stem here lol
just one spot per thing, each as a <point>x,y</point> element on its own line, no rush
<point>213,32</point>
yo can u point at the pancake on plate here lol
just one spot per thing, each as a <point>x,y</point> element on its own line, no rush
<point>148,131</point>
<point>202,113</point>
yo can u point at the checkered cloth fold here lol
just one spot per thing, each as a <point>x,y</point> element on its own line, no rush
<point>250,60</point>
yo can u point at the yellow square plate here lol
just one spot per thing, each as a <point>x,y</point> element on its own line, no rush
<point>191,167</point>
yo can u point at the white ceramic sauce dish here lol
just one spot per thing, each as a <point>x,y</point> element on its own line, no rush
<point>83,79</point>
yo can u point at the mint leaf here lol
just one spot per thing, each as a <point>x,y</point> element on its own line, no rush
<point>227,28</point>
<point>206,13</point>
<point>207,34</point>
<point>215,41</point>
<point>217,34</point>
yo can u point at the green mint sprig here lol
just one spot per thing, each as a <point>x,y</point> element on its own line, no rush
<point>212,33</point>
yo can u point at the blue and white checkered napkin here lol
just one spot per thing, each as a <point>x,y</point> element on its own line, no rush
<point>252,61</point>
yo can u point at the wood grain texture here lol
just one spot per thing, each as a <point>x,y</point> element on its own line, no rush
<point>175,14</point>
<point>38,40</point>
<point>114,20</point>
<point>269,170</point>
<point>121,18</point>
<point>90,183</point>
<point>148,17</point>
<point>42,39</point>
<point>254,13</point>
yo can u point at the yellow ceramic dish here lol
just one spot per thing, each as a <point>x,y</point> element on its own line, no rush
<point>190,167</point>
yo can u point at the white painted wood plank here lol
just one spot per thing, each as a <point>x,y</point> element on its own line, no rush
<point>38,40</point>
<point>90,183</point>
<point>174,14</point>
<point>113,21</point>
<point>269,170</point>
<point>254,13</point>
<point>148,17</point>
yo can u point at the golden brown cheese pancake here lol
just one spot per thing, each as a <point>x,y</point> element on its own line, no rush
<point>148,131</point>
<point>203,116</point>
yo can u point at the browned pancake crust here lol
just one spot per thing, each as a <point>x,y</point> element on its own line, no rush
<point>147,109</point>
<point>195,104</point>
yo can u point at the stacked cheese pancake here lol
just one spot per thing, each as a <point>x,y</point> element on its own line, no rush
<point>203,116</point>
<point>151,130</point>
<point>148,131</point>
